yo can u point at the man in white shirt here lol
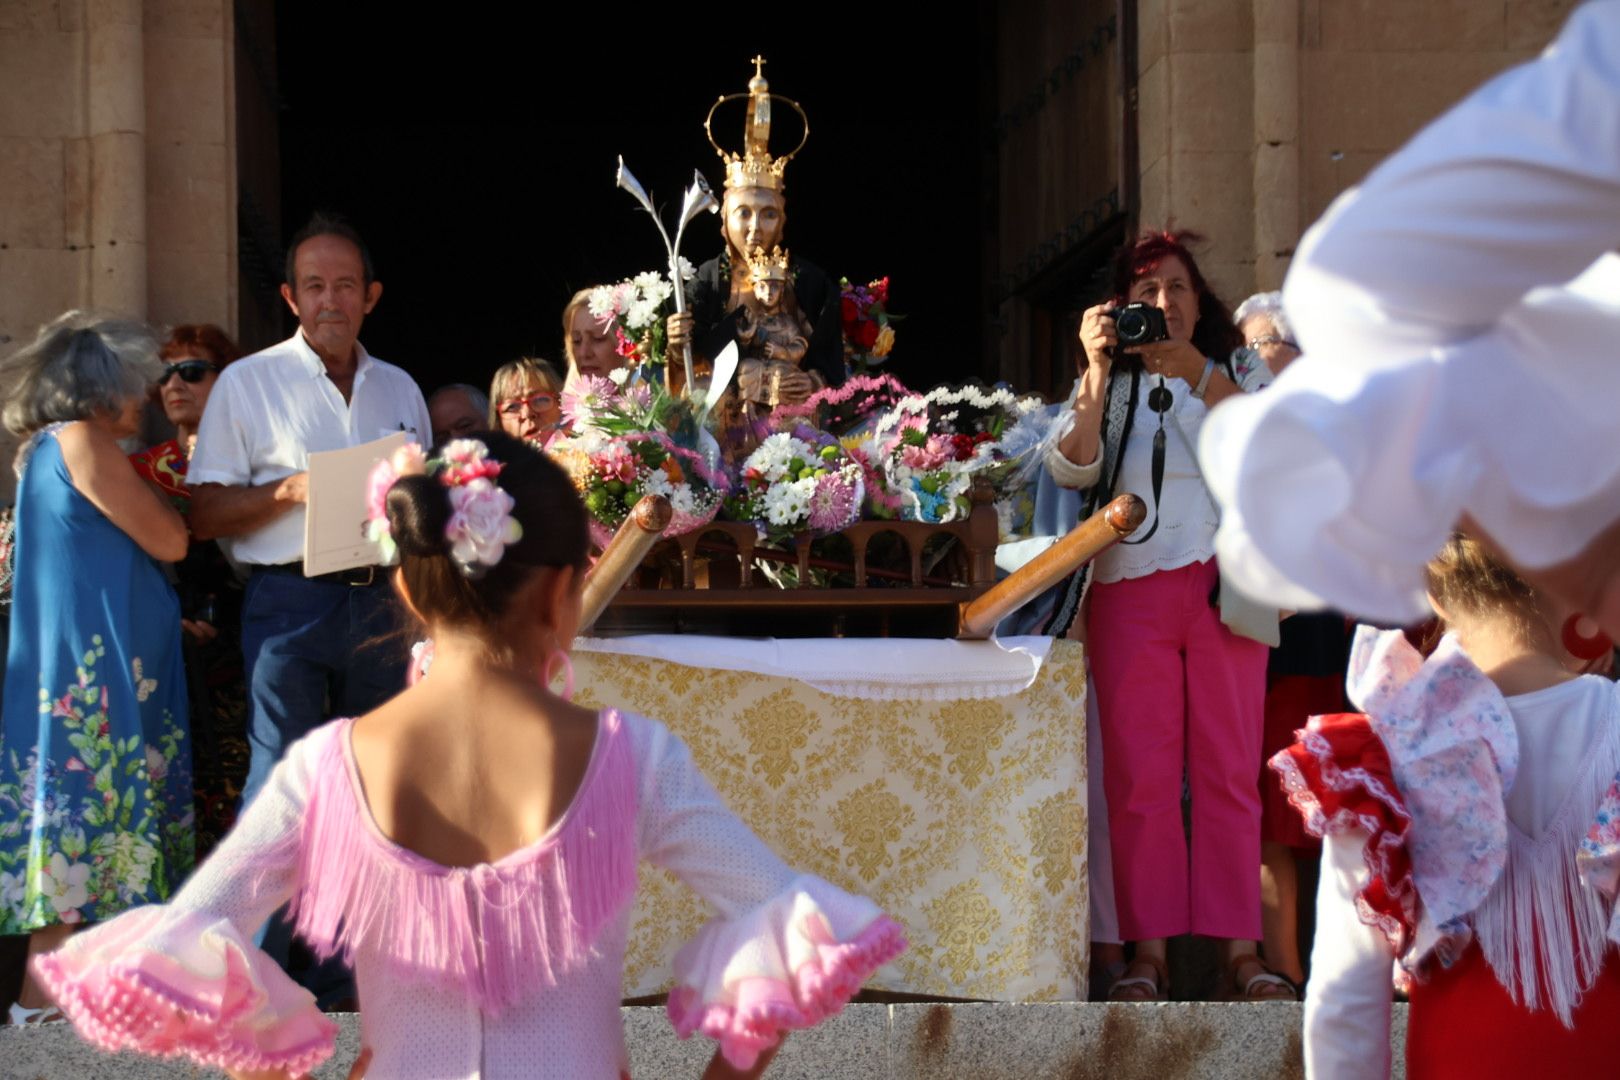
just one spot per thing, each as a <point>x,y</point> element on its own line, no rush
<point>312,647</point>
<point>309,644</point>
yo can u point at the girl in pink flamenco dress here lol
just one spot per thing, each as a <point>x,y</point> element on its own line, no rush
<point>470,848</point>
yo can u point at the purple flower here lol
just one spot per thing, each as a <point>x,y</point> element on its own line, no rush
<point>834,503</point>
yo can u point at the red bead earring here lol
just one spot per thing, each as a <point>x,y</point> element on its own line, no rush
<point>1585,646</point>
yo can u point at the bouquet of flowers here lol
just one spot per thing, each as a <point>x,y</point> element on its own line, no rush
<point>864,313</point>
<point>935,445</point>
<point>636,309</point>
<point>613,472</point>
<point>634,439</point>
<point>796,482</point>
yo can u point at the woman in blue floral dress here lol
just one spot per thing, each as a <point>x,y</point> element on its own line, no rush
<point>95,785</point>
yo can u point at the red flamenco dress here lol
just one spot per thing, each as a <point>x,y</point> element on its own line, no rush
<point>1472,846</point>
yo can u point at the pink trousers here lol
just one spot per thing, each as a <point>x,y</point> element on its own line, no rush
<point>1176,688</point>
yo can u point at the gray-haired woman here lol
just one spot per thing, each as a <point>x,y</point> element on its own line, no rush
<point>95,769</point>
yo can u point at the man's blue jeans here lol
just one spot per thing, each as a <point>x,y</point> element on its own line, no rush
<point>312,650</point>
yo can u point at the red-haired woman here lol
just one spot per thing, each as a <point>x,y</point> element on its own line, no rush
<point>1176,688</point>
<point>210,595</point>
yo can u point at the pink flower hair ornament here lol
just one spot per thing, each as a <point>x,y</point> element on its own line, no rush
<point>481,525</point>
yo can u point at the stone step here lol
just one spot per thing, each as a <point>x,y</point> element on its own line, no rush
<point>991,1041</point>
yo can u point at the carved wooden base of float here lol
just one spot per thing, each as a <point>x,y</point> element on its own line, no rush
<point>712,580</point>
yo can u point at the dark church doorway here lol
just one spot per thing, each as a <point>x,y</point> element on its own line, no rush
<point>476,153</point>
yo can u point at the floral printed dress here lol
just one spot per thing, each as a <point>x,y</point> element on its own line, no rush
<point>95,770</point>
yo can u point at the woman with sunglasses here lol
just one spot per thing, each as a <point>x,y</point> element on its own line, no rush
<point>523,400</point>
<point>210,593</point>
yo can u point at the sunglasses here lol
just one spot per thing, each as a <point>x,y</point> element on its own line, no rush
<point>191,371</point>
<point>534,403</point>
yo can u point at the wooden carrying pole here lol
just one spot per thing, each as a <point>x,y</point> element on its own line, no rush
<point>642,528</point>
<point>1086,541</point>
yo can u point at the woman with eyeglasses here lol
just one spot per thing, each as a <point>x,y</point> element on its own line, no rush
<point>210,591</point>
<point>524,400</point>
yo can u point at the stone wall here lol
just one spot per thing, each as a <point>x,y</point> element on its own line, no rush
<point>117,163</point>
<point>1255,114</point>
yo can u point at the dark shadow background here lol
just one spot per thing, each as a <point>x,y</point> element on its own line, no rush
<point>477,156</point>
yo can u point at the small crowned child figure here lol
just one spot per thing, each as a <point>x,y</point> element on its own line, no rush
<point>773,335</point>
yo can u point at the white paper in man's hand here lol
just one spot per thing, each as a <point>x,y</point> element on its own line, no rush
<point>335,516</point>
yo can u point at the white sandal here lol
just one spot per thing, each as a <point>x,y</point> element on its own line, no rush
<point>20,1016</point>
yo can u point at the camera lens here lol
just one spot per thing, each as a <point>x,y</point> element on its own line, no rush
<point>1131,326</point>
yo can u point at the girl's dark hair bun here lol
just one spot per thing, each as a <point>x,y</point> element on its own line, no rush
<point>418,511</point>
<point>545,505</point>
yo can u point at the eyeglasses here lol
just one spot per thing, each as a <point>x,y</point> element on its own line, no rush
<point>1273,339</point>
<point>535,403</point>
<point>191,371</point>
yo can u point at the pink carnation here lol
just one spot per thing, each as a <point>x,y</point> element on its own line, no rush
<point>408,460</point>
<point>927,457</point>
<point>616,462</point>
<point>466,460</point>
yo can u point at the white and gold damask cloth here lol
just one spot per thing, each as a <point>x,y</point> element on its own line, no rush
<point>944,779</point>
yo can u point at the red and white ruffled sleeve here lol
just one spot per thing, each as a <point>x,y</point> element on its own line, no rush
<point>786,950</point>
<point>184,979</point>
<point>1338,776</point>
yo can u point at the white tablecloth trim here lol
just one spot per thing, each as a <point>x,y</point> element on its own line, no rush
<point>873,669</point>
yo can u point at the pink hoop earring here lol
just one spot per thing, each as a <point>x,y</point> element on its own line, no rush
<point>550,674</point>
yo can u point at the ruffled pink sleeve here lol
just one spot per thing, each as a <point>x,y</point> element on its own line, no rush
<point>175,983</point>
<point>785,952</point>
<point>184,979</point>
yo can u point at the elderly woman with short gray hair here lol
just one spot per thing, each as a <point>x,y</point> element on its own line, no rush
<point>95,764</point>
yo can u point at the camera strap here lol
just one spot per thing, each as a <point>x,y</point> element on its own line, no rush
<point>1159,400</point>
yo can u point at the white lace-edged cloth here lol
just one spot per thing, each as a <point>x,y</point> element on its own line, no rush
<point>875,669</point>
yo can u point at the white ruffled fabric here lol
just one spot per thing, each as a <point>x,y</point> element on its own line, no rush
<point>1448,366</point>
<point>787,964</point>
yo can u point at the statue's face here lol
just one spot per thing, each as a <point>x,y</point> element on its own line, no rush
<point>768,291</point>
<point>754,219</point>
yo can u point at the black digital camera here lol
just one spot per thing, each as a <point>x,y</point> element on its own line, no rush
<point>1138,324</point>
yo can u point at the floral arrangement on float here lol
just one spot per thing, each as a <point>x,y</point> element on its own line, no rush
<point>636,310</point>
<point>841,409</point>
<point>796,482</point>
<point>631,439</point>
<point>864,315</point>
<point>933,447</point>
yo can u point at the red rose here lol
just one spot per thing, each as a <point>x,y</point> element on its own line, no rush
<point>850,311</point>
<point>866,334</point>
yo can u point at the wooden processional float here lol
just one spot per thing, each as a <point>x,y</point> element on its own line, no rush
<point>709,580</point>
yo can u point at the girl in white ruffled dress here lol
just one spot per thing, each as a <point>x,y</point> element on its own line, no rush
<point>471,847</point>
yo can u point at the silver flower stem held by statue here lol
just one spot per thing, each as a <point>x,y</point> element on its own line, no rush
<point>698,198</point>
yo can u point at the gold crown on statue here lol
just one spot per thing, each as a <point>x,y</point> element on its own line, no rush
<point>768,266</point>
<point>754,167</point>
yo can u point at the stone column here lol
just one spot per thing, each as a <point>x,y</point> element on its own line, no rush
<point>115,103</point>
<point>1276,135</point>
